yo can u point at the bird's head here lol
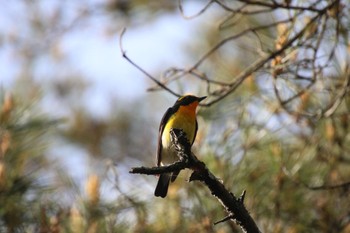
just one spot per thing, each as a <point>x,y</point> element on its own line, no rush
<point>189,100</point>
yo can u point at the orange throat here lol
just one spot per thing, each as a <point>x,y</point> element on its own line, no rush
<point>189,110</point>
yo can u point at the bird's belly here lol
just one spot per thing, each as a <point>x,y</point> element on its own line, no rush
<point>188,125</point>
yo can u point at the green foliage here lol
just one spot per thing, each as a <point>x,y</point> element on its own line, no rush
<point>22,159</point>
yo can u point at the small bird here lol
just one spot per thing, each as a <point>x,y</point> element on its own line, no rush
<point>180,116</point>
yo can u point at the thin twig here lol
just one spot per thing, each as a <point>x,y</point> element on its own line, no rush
<point>141,69</point>
<point>276,5</point>
<point>197,14</point>
<point>345,185</point>
<point>228,217</point>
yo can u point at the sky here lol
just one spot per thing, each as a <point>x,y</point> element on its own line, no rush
<point>154,46</point>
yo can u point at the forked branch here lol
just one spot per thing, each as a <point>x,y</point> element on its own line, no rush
<point>234,206</point>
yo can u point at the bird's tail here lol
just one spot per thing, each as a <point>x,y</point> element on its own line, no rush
<point>162,186</point>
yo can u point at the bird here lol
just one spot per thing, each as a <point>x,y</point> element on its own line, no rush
<point>182,115</point>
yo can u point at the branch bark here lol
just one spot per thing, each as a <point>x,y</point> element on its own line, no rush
<point>234,206</point>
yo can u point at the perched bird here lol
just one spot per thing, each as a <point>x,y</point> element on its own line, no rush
<point>180,116</point>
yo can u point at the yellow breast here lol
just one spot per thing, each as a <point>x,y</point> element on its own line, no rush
<point>185,119</point>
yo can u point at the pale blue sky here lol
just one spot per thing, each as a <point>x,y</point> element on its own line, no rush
<point>155,46</point>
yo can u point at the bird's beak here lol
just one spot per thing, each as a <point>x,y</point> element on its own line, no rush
<point>201,98</point>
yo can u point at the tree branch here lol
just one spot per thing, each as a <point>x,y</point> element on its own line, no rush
<point>233,206</point>
<point>140,68</point>
<point>345,185</point>
<point>276,5</point>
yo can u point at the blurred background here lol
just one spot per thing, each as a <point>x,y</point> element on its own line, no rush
<point>76,116</point>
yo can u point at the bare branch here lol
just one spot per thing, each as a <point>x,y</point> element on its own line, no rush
<point>233,206</point>
<point>265,59</point>
<point>345,185</point>
<point>340,97</point>
<point>258,64</point>
<point>141,69</point>
<point>276,5</point>
<point>231,38</point>
<point>228,217</point>
<point>197,14</point>
<point>159,170</point>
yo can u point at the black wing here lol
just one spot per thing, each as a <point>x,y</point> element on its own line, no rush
<point>195,133</point>
<point>164,120</point>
